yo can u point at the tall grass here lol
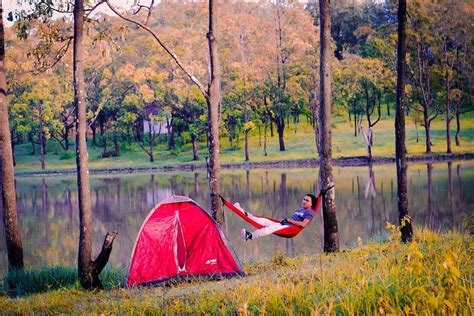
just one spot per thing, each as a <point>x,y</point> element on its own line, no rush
<point>432,275</point>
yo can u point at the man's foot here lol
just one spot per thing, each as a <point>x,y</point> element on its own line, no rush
<point>245,235</point>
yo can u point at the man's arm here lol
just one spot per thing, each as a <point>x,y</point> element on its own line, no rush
<point>302,224</point>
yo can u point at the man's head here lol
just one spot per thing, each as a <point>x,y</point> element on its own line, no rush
<point>309,201</point>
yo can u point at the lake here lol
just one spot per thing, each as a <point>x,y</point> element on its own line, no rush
<point>440,197</point>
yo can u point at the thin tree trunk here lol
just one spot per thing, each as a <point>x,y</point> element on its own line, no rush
<point>66,138</point>
<point>281,139</point>
<point>331,235</point>
<point>458,129</point>
<point>265,128</point>
<point>194,140</point>
<point>42,138</point>
<point>427,124</point>
<point>400,146</point>
<point>448,111</point>
<point>151,143</point>
<point>88,271</point>
<point>213,100</point>
<point>10,216</point>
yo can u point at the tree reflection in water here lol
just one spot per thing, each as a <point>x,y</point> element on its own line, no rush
<point>49,216</point>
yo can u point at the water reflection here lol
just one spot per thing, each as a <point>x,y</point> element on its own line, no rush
<point>365,200</point>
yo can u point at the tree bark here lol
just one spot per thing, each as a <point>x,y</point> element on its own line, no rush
<point>10,216</point>
<point>458,129</point>
<point>331,235</point>
<point>194,140</point>
<point>88,271</point>
<point>315,108</point>
<point>448,111</point>
<point>42,138</point>
<point>400,146</point>
<point>281,129</point>
<point>213,100</point>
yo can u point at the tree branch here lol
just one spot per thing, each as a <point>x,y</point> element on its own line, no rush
<point>171,54</point>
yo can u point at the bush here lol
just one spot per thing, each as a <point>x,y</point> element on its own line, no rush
<point>66,155</point>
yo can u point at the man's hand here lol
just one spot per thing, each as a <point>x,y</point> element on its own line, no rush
<point>284,222</point>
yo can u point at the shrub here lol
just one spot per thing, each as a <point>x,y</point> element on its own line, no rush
<point>66,155</point>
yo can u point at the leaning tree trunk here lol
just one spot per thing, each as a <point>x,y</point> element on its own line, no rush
<point>331,235</point>
<point>400,146</point>
<point>10,216</point>
<point>88,270</point>
<point>213,99</point>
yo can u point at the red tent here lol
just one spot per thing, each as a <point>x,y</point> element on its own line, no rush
<point>179,239</point>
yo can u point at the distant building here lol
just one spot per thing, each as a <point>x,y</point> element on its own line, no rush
<point>161,127</point>
<point>157,127</point>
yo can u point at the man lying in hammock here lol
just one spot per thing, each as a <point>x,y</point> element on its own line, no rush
<point>300,218</point>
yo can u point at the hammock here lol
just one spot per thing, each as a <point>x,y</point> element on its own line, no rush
<point>287,232</point>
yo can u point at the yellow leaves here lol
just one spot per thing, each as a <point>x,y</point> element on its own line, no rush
<point>126,71</point>
<point>449,265</point>
<point>146,93</point>
<point>131,99</point>
<point>249,126</point>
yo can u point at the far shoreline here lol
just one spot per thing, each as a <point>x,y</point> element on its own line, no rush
<point>297,163</point>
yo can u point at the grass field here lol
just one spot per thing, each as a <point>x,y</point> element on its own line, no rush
<point>432,275</point>
<point>300,144</point>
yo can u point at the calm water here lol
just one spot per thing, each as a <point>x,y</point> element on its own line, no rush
<point>440,197</point>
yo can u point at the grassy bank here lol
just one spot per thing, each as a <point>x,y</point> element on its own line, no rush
<point>300,144</point>
<point>431,275</point>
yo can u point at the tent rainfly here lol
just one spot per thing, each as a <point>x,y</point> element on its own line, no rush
<point>177,240</point>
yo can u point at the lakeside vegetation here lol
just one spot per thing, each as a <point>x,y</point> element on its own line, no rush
<point>434,273</point>
<point>92,75</point>
<point>300,145</point>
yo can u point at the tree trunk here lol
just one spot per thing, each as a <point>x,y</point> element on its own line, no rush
<point>400,146</point>
<point>458,129</point>
<point>331,235</point>
<point>213,100</point>
<point>315,111</point>
<point>151,143</point>
<point>355,125</point>
<point>194,140</point>
<point>448,112</point>
<point>88,271</point>
<point>281,130</point>
<point>171,143</point>
<point>13,154</point>
<point>66,138</point>
<point>7,184</point>
<point>427,124</point>
<point>265,129</point>
<point>94,134</point>
<point>42,138</point>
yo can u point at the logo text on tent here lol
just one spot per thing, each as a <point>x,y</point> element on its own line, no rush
<point>211,261</point>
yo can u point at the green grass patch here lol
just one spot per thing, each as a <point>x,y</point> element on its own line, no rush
<point>432,275</point>
<point>299,142</point>
<point>46,279</point>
